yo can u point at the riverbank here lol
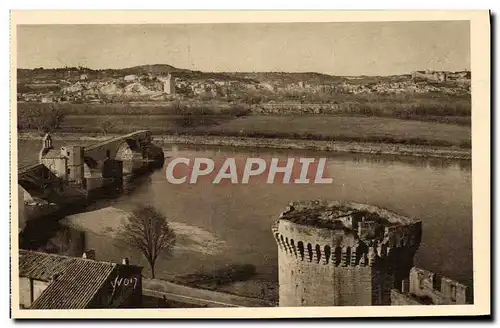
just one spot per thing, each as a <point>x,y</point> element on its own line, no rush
<point>233,284</point>
<point>279,143</point>
<point>451,152</point>
<point>197,296</point>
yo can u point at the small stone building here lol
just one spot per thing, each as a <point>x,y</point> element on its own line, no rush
<point>71,166</point>
<point>130,78</point>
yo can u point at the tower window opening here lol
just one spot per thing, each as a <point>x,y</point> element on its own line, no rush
<point>300,245</point>
<point>309,252</point>
<point>328,252</point>
<point>318,253</point>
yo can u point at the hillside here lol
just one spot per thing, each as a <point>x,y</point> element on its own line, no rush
<point>149,83</point>
<point>303,106</point>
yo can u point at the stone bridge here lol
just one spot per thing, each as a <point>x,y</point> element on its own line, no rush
<point>135,145</point>
<point>86,168</point>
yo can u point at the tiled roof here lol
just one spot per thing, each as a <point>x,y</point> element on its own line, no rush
<point>41,266</point>
<point>77,282</point>
<point>76,287</point>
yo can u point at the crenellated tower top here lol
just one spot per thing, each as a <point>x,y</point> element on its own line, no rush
<point>344,233</point>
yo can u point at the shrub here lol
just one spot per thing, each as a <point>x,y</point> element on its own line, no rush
<point>40,119</point>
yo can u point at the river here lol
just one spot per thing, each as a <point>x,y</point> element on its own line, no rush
<point>229,225</point>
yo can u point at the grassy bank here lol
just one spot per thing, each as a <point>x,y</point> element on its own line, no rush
<point>431,106</point>
<point>314,128</point>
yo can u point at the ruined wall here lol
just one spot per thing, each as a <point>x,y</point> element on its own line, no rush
<point>424,283</point>
<point>422,287</point>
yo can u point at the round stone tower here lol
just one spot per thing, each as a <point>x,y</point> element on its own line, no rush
<point>338,253</point>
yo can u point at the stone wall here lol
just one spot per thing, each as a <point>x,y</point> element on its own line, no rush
<point>24,292</point>
<point>423,283</point>
<point>398,298</point>
<point>422,287</point>
<point>307,283</point>
<point>30,290</point>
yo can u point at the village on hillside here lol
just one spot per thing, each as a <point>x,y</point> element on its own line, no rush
<point>84,85</point>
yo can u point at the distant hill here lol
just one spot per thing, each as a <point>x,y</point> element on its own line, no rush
<point>156,69</point>
<point>83,82</point>
<point>61,73</point>
<point>286,78</point>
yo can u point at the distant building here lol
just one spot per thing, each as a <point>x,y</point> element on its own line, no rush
<point>50,281</point>
<point>130,78</point>
<point>84,77</point>
<point>437,76</point>
<point>47,100</point>
<point>168,85</point>
<point>30,97</point>
<point>268,86</point>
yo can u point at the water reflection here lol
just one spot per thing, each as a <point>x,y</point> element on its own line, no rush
<point>430,162</point>
<point>47,234</point>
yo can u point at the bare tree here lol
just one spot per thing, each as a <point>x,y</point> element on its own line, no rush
<point>148,231</point>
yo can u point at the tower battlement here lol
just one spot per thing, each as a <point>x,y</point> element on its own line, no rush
<point>343,244</point>
<point>346,234</point>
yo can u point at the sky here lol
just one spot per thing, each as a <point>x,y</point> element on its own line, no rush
<point>360,48</point>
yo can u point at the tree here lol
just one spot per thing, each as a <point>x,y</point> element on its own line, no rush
<point>40,118</point>
<point>148,231</point>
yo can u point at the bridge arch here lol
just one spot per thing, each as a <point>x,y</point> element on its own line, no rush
<point>31,189</point>
<point>129,149</point>
<point>90,162</point>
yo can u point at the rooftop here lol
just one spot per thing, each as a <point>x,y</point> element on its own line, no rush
<point>73,281</point>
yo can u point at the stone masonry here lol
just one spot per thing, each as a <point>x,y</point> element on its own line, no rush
<point>337,253</point>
